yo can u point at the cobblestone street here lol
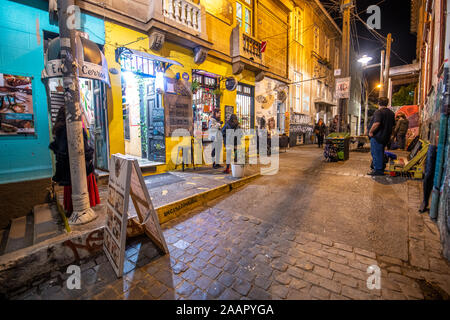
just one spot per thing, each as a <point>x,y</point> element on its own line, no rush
<point>255,244</point>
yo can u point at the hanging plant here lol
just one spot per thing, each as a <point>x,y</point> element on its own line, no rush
<point>195,86</point>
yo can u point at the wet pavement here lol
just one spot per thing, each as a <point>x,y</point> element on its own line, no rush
<point>309,232</point>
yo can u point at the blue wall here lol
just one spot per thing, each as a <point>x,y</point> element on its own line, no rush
<point>22,53</point>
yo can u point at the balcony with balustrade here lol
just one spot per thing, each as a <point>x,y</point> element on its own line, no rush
<point>179,21</point>
<point>246,53</point>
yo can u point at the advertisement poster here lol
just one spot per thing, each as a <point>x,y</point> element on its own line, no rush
<point>16,105</point>
<point>125,182</point>
<point>343,88</point>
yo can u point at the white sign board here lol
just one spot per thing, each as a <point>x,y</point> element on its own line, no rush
<point>343,88</point>
<point>337,72</point>
<point>125,180</point>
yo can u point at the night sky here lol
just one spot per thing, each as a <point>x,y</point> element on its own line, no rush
<point>395,18</point>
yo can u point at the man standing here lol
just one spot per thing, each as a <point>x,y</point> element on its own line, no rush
<point>380,132</point>
<point>401,128</point>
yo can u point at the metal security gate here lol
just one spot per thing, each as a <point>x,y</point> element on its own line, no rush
<point>245,106</point>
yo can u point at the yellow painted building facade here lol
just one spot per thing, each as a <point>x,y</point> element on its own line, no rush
<point>230,34</point>
<point>117,35</point>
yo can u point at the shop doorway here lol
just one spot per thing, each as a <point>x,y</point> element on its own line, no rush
<point>94,114</point>
<point>143,116</point>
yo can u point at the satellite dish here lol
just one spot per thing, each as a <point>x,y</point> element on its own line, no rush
<point>231,83</point>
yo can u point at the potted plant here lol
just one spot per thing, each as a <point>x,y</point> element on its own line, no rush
<point>195,86</point>
<point>217,92</point>
<point>237,170</point>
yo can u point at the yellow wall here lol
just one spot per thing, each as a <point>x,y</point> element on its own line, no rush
<point>117,36</point>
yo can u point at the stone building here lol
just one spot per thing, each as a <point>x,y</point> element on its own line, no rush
<point>431,23</point>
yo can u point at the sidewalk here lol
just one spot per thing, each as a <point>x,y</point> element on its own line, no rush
<point>172,193</point>
<point>223,250</point>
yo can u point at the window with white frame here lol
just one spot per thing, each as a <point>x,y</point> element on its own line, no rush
<point>297,99</point>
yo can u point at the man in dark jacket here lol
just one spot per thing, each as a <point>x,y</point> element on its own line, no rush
<point>401,128</point>
<point>380,133</point>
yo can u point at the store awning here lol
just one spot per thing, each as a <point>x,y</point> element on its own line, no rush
<point>92,62</point>
<point>165,63</point>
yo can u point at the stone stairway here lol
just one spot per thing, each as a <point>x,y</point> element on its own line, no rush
<point>44,223</point>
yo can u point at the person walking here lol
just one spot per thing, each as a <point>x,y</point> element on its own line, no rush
<point>334,124</point>
<point>59,146</point>
<point>320,130</point>
<point>214,127</point>
<point>231,124</point>
<point>380,133</point>
<point>401,128</point>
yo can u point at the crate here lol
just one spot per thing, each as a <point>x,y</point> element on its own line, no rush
<point>342,143</point>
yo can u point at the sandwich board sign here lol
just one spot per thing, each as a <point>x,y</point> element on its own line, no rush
<point>125,182</point>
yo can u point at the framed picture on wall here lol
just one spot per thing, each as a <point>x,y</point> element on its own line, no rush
<point>16,105</point>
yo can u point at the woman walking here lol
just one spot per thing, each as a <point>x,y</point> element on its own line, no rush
<point>319,130</point>
<point>214,127</point>
<point>231,124</point>
<point>62,175</point>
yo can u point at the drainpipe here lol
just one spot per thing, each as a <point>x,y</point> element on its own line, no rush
<point>82,212</point>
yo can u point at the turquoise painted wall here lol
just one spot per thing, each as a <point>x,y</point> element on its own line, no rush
<point>22,53</point>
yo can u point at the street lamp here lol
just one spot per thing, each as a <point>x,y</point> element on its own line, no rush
<point>364,60</point>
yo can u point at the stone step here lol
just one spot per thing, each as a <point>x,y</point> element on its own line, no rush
<point>20,234</point>
<point>47,222</point>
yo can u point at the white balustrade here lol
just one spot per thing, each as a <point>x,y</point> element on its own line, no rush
<point>183,12</point>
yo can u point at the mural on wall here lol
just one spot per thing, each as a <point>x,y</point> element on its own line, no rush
<point>16,105</point>
<point>265,96</point>
<point>412,114</point>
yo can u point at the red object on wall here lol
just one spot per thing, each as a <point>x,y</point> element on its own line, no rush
<point>263,46</point>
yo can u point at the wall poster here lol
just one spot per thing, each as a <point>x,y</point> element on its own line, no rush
<point>125,181</point>
<point>16,105</point>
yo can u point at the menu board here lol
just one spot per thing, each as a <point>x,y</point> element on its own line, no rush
<point>16,105</point>
<point>125,181</point>
<point>178,113</point>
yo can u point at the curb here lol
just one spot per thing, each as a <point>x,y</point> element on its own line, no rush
<point>21,267</point>
<point>172,210</point>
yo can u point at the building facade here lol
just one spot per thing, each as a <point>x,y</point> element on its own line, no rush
<point>431,23</point>
<point>171,65</point>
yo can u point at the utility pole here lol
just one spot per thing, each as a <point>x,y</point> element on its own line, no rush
<point>346,7</point>
<point>380,93</point>
<point>385,66</point>
<point>82,212</point>
<point>366,108</point>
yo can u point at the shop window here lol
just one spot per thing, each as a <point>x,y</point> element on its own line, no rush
<point>245,106</point>
<point>244,15</point>
<point>206,100</point>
